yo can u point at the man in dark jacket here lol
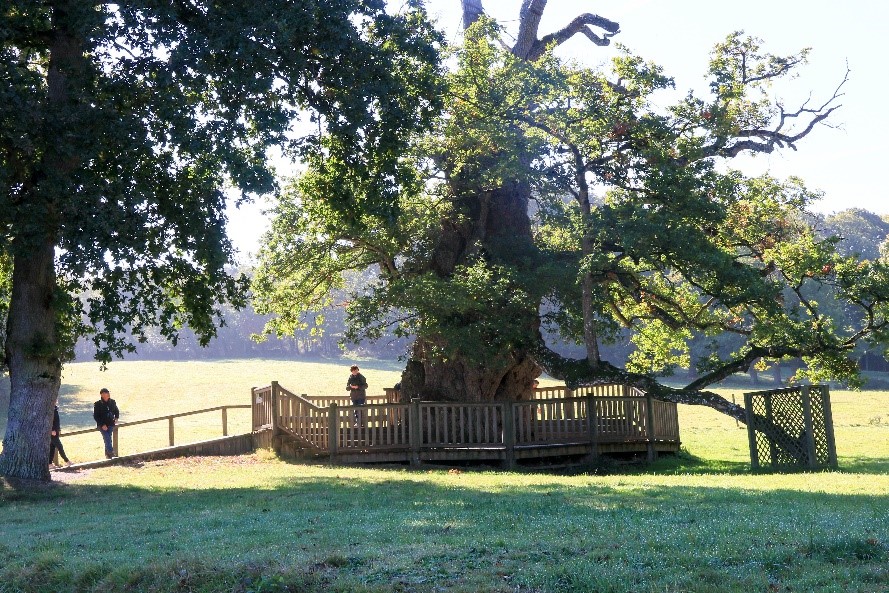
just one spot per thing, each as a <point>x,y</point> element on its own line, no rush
<point>105,413</point>
<point>55,442</point>
<point>356,385</point>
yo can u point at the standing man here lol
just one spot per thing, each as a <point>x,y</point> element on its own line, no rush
<point>55,443</point>
<point>356,385</point>
<point>105,413</point>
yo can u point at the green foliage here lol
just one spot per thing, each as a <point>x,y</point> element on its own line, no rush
<point>638,214</point>
<point>475,315</point>
<point>159,109</point>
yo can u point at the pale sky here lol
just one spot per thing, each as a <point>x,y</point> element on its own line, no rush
<point>843,162</point>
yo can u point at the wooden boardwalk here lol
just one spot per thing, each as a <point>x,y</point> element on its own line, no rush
<point>558,423</point>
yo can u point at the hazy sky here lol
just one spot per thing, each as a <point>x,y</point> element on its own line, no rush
<point>846,162</point>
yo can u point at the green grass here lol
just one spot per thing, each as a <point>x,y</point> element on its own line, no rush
<point>255,523</point>
<point>695,522</point>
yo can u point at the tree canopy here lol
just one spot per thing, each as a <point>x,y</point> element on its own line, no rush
<point>123,126</point>
<point>636,221</point>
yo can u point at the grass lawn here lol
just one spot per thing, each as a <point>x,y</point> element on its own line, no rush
<point>147,389</point>
<point>696,522</point>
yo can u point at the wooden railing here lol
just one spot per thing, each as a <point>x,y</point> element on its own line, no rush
<point>600,414</point>
<point>171,428</point>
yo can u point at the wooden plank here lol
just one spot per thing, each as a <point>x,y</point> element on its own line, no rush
<point>509,433</point>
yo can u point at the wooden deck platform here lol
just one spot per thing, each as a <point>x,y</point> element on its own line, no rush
<point>558,423</point>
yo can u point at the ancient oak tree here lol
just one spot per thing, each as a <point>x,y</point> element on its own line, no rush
<point>554,197</point>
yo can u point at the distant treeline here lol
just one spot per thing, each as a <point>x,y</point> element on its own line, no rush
<point>863,233</point>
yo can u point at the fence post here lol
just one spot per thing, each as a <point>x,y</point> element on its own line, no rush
<point>333,431</point>
<point>751,431</point>
<point>811,456</point>
<point>253,408</point>
<point>649,426</point>
<point>509,433</point>
<point>224,421</point>
<point>302,413</point>
<point>592,426</point>
<point>828,427</point>
<point>415,431</point>
<point>170,420</point>
<point>114,441</point>
<point>274,409</point>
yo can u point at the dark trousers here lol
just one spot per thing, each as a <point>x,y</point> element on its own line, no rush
<point>56,443</point>
<point>359,414</point>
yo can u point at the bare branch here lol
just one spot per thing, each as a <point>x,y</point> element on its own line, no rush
<point>578,372</point>
<point>766,141</point>
<point>582,25</point>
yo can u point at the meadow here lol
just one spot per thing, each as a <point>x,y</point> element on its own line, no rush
<point>695,522</point>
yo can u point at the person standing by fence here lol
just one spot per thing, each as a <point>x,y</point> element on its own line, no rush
<point>55,443</point>
<point>356,385</point>
<point>105,413</point>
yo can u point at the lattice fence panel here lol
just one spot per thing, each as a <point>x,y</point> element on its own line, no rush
<point>822,436</point>
<point>790,428</point>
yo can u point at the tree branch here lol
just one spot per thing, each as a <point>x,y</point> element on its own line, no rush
<point>581,24</point>
<point>765,141</point>
<point>578,372</point>
<point>472,11</point>
<point>529,18</point>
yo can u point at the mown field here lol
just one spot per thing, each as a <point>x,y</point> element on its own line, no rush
<point>148,389</point>
<point>697,522</point>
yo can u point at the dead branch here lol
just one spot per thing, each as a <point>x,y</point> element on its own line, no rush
<point>582,24</point>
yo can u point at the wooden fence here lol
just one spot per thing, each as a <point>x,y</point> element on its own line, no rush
<point>171,426</point>
<point>591,418</point>
<point>791,428</point>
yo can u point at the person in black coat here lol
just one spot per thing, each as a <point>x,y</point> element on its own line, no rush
<point>55,443</point>
<point>356,385</point>
<point>105,413</point>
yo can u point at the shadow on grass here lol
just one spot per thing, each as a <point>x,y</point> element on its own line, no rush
<point>686,463</point>
<point>341,529</point>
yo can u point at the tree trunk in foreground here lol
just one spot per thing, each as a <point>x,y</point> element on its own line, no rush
<point>35,370</point>
<point>32,341</point>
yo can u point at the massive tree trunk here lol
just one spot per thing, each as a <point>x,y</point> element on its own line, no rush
<point>34,369</point>
<point>498,223</point>
<point>457,379</point>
